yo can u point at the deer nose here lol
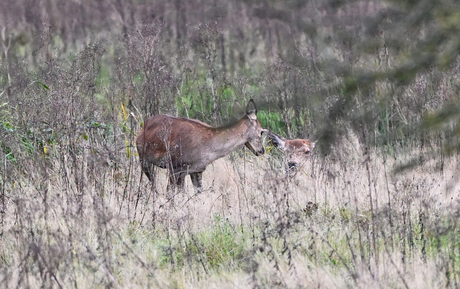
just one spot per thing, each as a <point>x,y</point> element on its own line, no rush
<point>292,165</point>
<point>260,152</point>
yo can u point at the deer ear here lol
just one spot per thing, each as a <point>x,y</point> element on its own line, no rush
<point>276,140</point>
<point>309,143</point>
<point>251,109</point>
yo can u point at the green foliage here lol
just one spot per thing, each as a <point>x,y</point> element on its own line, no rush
<point>272,121</point>
<point>43,85</point>
<point>196,100</point>
<point>6,118</point>
<point>7,151</point>
<point>221,245</point>
<point>6,127</point>
<point>191,99</point>
<point>218,247</point>
<point>104,77</point>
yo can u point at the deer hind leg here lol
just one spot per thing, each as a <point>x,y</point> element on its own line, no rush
<point>175,184</point>
<point>197,181</point>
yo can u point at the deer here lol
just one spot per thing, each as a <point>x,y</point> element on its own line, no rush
<point>187,146</point>
<point>296,150</point>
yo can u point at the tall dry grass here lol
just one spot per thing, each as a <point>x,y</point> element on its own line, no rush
<point>342,221</point>
<point>376,205</point>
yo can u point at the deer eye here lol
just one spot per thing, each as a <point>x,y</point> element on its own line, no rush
<point>307,152</point>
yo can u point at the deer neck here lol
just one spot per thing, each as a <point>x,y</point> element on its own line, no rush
<point>229,139</point>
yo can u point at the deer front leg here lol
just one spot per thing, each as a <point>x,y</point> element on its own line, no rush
<point>197,181</point>
<point>148,170</point>
<point>176,180</point>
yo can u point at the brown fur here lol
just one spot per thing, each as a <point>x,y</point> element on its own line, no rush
<point>187,146</point>
<point>296,150</point>
<point>299,146</point>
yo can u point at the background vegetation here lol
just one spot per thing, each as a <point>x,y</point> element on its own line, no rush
<point>375,82</point>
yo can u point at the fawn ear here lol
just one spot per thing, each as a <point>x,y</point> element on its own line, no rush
<point>276,140</point>
<point>251,110</point>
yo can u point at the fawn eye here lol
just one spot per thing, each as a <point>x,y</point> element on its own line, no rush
<point>307,152</point>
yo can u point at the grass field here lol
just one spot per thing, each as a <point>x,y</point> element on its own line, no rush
<point>376,83</point>
<point>347,221</point>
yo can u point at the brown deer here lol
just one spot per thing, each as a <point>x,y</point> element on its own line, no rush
<point>186,146</point>
<point>296,150</point>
